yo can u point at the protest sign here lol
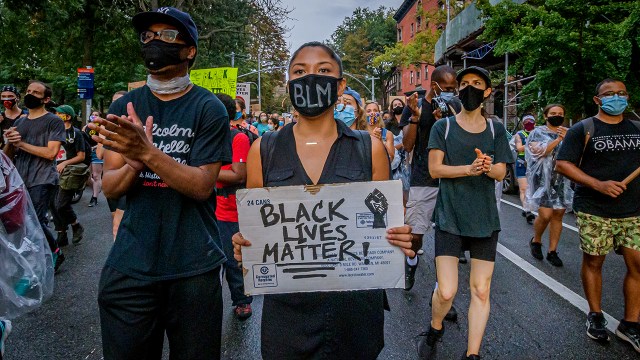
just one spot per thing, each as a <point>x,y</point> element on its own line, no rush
<point>217,80</point>
<point>323,238</point>
<point>243,91</point>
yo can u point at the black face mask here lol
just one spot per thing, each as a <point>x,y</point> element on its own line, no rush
<point>32,102</point>
<point>398,110</point>
<point>158,54</point>
<point>313,94</point>
<point>471,97</point>
<point>555,120</point>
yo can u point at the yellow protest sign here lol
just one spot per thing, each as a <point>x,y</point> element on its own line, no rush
<point>217,80</point>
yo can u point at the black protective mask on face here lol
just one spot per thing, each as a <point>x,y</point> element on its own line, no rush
<point>471,97</point>
<point>555,120</point>
<point>313,94</point>
<point>32,102</point>
<point>398,110</point>
<point>158,54</point>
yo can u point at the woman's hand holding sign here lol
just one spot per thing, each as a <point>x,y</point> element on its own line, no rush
<point>398,236</point>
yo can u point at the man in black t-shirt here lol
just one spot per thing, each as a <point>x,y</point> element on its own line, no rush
<point>416,123</point>
<point>598,154</point>
<point>33,143</point>
<point>163,272</point>
<point>72,152</point>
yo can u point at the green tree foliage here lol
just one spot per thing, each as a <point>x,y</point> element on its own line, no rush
<point>359,39</point>
<point>49,39</point>
<point>569,45</point>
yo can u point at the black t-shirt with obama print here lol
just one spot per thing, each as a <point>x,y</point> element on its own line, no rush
<point>164,234</point>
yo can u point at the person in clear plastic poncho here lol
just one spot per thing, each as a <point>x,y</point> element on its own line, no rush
<point>26,263</point>
<point>548,192</point>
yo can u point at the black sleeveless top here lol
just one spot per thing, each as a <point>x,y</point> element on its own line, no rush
<point>320,325</point>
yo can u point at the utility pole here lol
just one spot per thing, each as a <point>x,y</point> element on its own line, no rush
<point>233,58</point>
<point>259,81</point>
<point>373,94</point>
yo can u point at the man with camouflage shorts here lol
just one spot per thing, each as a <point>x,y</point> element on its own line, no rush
<point>598,153</point>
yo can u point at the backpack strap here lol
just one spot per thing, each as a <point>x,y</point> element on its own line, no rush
<point>588,129</point>
<point>446,130</point>
<point>364,148</point>
<point>267,147</point>
<point>493,130</point>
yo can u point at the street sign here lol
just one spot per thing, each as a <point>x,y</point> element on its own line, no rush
<point>85,83</point>
<point>85,94</point>
<point>243,91</point>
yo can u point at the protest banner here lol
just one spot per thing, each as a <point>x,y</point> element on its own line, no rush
<point>321,238</point>
<point>217,80</point>
<point>243,91</point>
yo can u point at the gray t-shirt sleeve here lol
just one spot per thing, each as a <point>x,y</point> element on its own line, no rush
<point>57,131</point>
<point>436,137</point>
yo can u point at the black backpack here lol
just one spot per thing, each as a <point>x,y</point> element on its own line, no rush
<point>252,137</point>
<point>87,146</point>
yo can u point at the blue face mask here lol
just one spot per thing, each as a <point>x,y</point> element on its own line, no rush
<point>614,105</point>
<point>346,114</point>
<point>238,115</point>
<point>446,96</point>
<point>281,123</point>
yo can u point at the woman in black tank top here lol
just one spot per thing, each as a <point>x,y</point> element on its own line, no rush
<point>320,150</point>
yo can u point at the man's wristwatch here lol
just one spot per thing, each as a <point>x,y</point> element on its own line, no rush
<point>413,122</point>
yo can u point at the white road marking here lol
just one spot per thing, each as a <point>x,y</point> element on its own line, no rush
<point>573,228</point>
<point>546,280</point>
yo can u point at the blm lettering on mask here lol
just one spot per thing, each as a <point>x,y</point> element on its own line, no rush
<point>317,242</point>
<point>313,94</point>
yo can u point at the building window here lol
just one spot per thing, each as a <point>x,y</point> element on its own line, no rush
<point>412,30</point>
<point>411,77</point>
<point>399,34</point>
<point>418,76</point>
<point>419,22</point>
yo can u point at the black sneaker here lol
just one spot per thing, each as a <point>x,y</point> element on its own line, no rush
<point>452,314</point>
<point>410,274</point>
<point>58,259</point>
<point>553,258</point>
<point>462,258</point>
<point>78,231</point>
<point>596,327</point>
<point>530,217</point>
<point>62,239</point>
<point>630,333</point>
<point>536,249</point>
<point>93,202</point>
<point>427,343</point>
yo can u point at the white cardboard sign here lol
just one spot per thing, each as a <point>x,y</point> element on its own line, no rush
<point>324,238</point>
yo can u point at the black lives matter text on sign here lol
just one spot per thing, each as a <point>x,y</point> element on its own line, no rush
<point>333,239</point>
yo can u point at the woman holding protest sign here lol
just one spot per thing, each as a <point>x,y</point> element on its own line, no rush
<point>319,149</point>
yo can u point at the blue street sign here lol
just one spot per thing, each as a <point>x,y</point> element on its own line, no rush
<point>85,94</point>
<point>85,80</point>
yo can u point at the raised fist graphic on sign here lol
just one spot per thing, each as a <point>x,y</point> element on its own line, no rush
<point>378,205</point>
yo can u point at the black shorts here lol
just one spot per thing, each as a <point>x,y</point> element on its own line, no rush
<point>120,203</point>
<point>448,244</point>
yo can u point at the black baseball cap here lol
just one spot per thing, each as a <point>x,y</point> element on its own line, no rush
<point>171,16</point>
<point>11,88</point>
<point>484,74</point>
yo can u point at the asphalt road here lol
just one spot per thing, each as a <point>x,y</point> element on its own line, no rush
<point>528,320</point>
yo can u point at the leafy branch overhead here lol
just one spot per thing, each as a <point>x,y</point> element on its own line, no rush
<point>49,39</point>
<point>569,46</point>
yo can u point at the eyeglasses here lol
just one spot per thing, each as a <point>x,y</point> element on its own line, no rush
<point>168,36</point>
<point>620,93</point>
